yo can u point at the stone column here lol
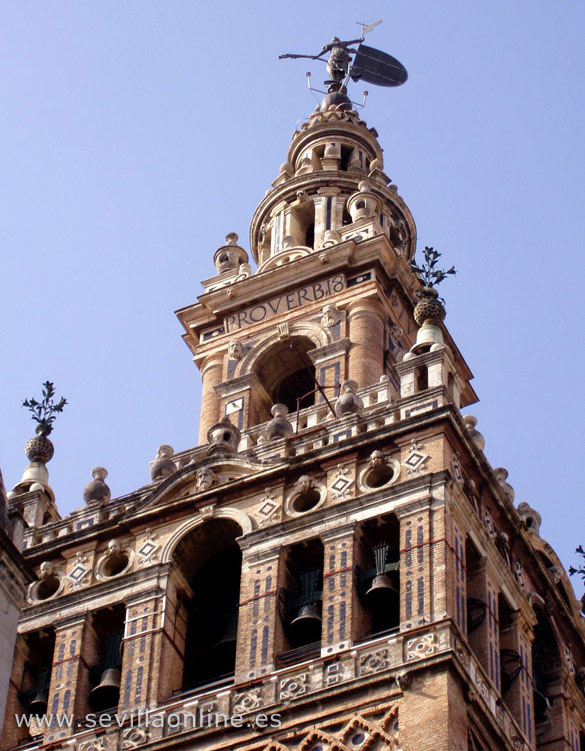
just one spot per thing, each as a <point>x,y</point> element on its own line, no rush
<point>211,376</point>
<point>258,614</point>
<point>338,589</point>
<point>366,334</point>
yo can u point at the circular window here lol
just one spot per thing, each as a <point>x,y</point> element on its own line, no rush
<point>46,588</point>
<point>380,472</point>
<point>379,476</point>
<point>115,563</point>
<point>305,501</point>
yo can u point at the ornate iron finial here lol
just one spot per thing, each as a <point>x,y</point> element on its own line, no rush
<point>428,274</point>
<point>45,411</point>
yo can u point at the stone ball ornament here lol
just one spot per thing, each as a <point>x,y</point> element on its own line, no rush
<point>97,490</point>
<point>39,449</point>
<point>429,307</point>
<point>279,426</point>
<point>348,402</point>
<point>163,465</point>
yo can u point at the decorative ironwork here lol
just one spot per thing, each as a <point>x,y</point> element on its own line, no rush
<point>475,613</point>
<point>45,411</point>
<point>510,667</point>
<point>428,273</point>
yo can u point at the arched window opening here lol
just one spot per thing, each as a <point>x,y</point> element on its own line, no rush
<point>421,376</point>
<point>301,224</point>
<point>104,676</point>
<point>546,665</point>
<point>300,602</point>
<point>210,561</point>
<point>475,603</point>
<point>346,219</point>
<point>451,388</point>
<point>36,679</point>
<point>377,577</point>
<point>346,152</point>
<point>287,374</point>
<point>510,661</point>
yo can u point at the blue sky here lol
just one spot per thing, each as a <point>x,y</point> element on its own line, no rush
<point>135,135</point>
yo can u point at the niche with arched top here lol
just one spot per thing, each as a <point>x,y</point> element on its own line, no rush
<point>210,560</point>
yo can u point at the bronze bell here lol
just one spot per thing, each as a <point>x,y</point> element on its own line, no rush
<point>306,627</point>
<point>107,693</point>
<point>381,591</point>
<point>38,705</point>
<point>223,652</point>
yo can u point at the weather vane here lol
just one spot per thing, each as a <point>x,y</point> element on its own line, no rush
<point>45,411</point>
<point>360,64</point>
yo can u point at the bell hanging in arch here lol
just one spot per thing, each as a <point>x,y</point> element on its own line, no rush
<point>107,693</point>
<point>306,627</point>
<point>381,592</point>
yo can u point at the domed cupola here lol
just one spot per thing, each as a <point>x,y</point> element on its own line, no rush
<point>333,157</point>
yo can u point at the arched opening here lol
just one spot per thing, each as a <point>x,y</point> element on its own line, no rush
<point>210,560</point>
<point>377,577</point>
<point>510,661</point>
<point>301,224</point>
<point>34,689</point>
<point>300,603</point>
<point>104,676</point>
<point>346,152</point>
<point>421,376</point>
<point>546,663</point>
<point>287,374</point>
<point>475,602</point>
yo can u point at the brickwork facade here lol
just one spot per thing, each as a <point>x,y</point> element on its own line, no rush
<point>337,550</point>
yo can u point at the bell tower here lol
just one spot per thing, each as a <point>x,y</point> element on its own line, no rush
<point>336,566</point>
<point>333,297</point>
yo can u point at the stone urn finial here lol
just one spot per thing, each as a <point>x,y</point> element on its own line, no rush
<point>39,450</point>
<point>429,312</point>
<point>279,426</point>
<point>97,490</point>
<point>348,402</point>
<point>163,465</point>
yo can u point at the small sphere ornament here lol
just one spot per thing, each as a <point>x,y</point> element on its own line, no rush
<point>39,449</point>
<point>429,307</point>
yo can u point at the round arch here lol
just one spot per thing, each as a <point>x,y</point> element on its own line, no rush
<point>242,520</point>
<point>301,329</point>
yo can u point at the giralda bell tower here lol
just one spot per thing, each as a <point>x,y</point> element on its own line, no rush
<point>337,552</point>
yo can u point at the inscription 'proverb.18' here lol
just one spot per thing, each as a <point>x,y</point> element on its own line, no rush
<point>283,303</point>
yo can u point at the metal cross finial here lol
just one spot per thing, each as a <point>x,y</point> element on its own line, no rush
<point>45,411</point>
